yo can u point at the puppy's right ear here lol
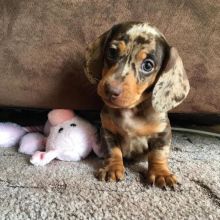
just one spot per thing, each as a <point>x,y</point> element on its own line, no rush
<point>95,58</point>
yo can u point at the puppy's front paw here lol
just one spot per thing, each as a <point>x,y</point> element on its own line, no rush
<point>161,178</point>
<point>113,171</point>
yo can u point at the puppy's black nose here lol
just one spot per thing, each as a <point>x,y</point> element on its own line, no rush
<point>112,91</point>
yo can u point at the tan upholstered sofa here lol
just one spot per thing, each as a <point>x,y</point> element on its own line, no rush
<point>42,45</point>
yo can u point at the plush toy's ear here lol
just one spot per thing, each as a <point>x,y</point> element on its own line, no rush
<point>58,116</point>
<point>173,86</point>
<point>95,58</point>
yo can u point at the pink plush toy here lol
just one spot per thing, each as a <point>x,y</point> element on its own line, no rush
<point>28,138</point>
<point>70,138</point>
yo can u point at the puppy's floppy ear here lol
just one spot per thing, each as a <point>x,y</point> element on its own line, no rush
<point>172,86</point>
<point>95,58</point>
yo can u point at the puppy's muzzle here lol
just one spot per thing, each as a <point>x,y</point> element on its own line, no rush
<point>112,92</point>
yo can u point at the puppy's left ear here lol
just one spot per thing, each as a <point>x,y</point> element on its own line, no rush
<point>173,86</point>
<point>95,58</point>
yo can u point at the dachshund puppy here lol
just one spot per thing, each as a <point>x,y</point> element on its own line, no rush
<point>140,78</point>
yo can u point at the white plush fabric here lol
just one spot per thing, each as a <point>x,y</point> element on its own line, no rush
<point>32,142</point>
<point>71,140</point>
<point>28,140</point>
<point>10,134</point>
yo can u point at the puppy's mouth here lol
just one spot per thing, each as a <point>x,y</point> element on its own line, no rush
<point>120,103</point>
<point>111,103</point>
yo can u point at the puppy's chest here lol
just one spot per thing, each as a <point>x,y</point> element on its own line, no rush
<point>133,129</point>
<point>129,123</point>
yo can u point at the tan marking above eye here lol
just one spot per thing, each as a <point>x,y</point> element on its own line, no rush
<point>122,47</point>
<point>141,55</point>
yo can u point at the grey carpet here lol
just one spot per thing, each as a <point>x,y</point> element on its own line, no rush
<point>68,190</point>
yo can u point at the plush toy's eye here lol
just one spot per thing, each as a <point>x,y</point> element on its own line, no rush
<point>73,125</point>
<point>60,130</point>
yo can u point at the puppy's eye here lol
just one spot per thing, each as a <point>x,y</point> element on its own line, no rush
<point>73,125</point>
<point>112,53</point>
<point>60,130</point>
<point>147,66</point>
